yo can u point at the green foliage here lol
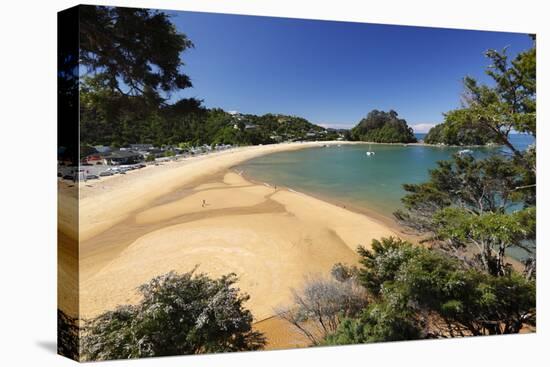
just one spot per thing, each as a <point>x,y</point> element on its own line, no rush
<point>380,322</point>
<point>131,60</point>
<point>107,119</point>
<point>383,127</point>
<point>466,204</point>
<point>409,281</point>
<point>450,133</point>
<point>482,205</point>
<point>178,314</point>
<point>492,112</point>
<point>381,264</point>
<point>135,52</point>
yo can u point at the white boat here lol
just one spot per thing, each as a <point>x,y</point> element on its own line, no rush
<point>369,152</point>
<point>465,151</point>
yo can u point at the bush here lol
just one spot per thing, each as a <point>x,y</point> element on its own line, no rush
<point>179,314</point>
<point>415,281</point>
<point>319,306</point>
<point>380,322</point>
<point>418,292</point>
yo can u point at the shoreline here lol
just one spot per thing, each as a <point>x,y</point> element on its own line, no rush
<point>251,229</point>
<point>99,198</point>
<point>381,218</point>
<point>270,237</point>
<point>273,238</point>
<point>417,144</point>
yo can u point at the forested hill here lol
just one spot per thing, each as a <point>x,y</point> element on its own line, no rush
<point>383,127</point>
<point>125,90</point>
<point>187,122</point>
<point>448,133</point>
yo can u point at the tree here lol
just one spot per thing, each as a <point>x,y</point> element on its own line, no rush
<point>420,292</point>
<point>509,105</point>
<point>488,204</point>
<point>381,264</point>
<point>482,205</point>
<point>383,127</point>
<point>321,304</point>
<point>178,314</point>
<point>379,322</point>
<point>133,51</point>
<point>451,134</point>
<point>131,62</point>
<point>469,302</point>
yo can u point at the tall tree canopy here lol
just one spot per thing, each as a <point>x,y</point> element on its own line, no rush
<point>131,61</point>
<point>495,110</point>
<point>485,205</point>
<point>452,134</point>
<point>132,51</point>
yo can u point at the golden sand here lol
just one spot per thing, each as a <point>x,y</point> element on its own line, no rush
<point>149,222</point>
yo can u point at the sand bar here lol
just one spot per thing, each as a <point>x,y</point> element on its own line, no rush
<point>149,222</point>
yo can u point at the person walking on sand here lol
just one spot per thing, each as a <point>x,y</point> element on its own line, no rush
<point>203,203</point>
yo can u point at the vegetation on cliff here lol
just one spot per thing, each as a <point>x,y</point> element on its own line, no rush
<point>383,127</point>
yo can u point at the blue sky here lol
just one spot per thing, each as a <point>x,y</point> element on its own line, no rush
<point>332,73</point>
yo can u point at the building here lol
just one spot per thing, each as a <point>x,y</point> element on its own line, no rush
<point>118,157</point>
<point>138,147</point>
<point>94,158</point>
<point>103,149</point>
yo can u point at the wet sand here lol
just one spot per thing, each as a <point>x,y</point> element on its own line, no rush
<point>147,223</point>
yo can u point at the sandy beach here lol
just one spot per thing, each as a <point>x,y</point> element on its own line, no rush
<point>148,222</point>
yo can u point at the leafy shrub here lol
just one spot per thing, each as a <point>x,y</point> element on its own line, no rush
<point>179,314</point>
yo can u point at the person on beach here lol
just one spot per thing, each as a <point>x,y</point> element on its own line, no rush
<point>203,203</point>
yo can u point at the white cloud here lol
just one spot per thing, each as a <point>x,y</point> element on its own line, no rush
<point>336,125</point>
<point>422,128</point>
<point>418,128</point>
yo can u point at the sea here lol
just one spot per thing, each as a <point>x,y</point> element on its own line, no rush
<point>347,175</point>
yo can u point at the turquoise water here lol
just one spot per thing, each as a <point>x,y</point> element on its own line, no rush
<point>347,175</point>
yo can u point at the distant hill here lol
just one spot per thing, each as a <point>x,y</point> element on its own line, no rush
<point>451,134</point>
<point>188,122</point>
<point>238,129</point>
<point>383,127</point>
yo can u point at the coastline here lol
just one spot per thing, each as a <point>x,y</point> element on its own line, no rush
<point>152,222</point>
<point>109,201</point>
<point>365,210</point>
<point>273,238</point>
